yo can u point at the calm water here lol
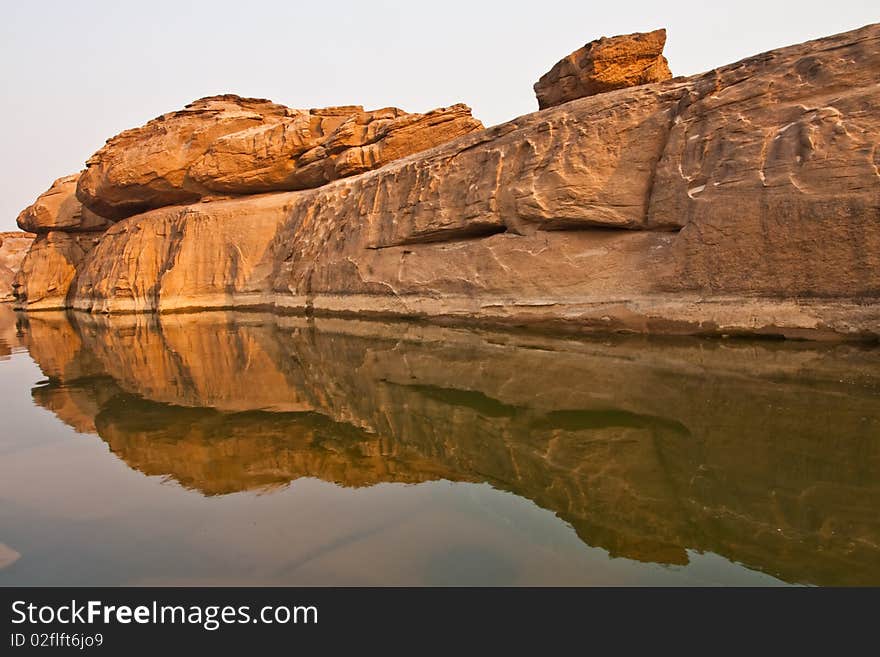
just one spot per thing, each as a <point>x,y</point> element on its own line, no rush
<point>227,448</point>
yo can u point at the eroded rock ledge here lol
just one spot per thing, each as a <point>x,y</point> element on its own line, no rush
<point>233,145</point>
<point>743,200</point>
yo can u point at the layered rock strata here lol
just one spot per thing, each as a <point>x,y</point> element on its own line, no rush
<point>58,209</point>
<point>604,65</point>
<point>743,200</point>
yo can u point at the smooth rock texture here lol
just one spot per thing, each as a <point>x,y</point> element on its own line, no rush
<point>224,145</point>
<point>604,65</point>
<point>58,209</point>
<point>13,248</point>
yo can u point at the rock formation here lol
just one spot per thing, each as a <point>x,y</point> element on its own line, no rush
<point>13,247</point>
<point>318,147</point>
<point>742,200</point>
<point>232,145</point>
<point>8,556</point>
<point>58,209</point>
<point>47,271</point>
<point>605,65</point>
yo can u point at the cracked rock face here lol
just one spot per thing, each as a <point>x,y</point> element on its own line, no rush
<point>228,145</point>
<point>605,65</point>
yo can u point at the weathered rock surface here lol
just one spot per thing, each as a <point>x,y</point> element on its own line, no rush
<point>743,200</point>
<point>13,247</point>
<point>605,65</point>
<point>48,269</point>
<point>232,145</point>
<point>8,556</point>
<point>649,450</point>
<point>58,209</point>
<point>188,255</point>
<point>314,148</point>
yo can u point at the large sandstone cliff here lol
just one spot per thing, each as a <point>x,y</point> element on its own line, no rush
<point>763,453</point>
<point>743,200</point>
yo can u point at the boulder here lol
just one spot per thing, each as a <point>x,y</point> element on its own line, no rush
<point>58,209</point>
<point>186,255</point>
<point>605,65</point>
<point>225,145</point>
<point>704,206</point>
<point>13,247</point>
<point>8,556</point>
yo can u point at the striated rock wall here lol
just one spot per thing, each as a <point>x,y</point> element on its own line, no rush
<point>743,200</point>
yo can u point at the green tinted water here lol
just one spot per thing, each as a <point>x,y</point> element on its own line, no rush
<point>224,448</point>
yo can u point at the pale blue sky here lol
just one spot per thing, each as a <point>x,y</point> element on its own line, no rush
<point>76,73</point>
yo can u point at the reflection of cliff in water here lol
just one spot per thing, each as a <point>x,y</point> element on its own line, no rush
<point>765,453</point>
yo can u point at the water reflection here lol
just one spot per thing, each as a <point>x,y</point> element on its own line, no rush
<point>767,454</point>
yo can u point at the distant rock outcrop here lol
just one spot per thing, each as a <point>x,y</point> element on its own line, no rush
<point>65,232</point>
<point>232,145</point>
<point>605,65</point>
<point>13,247</point>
